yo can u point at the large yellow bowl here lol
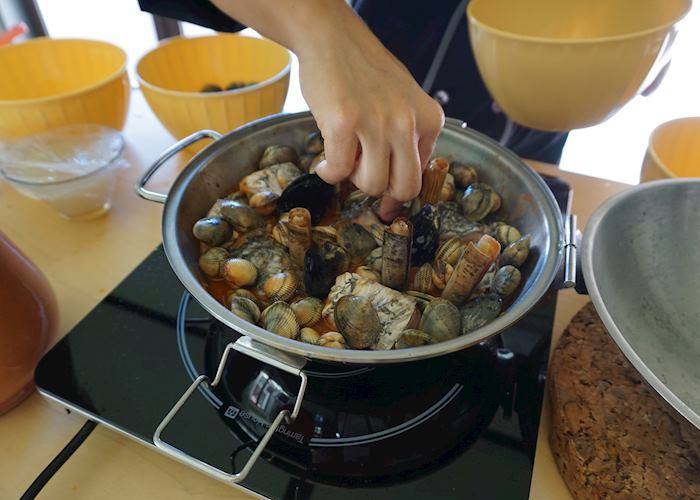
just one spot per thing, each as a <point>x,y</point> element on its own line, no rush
<point>48,83</point>
<point>673,151</point>
<point>172,75</point>
<point>563,64</point>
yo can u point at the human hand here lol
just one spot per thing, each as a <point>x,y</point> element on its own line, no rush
<point>378,125</point>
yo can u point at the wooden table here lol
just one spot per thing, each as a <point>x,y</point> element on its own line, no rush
<point>83,262</point>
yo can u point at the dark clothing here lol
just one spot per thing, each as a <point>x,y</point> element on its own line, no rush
<point>417,33</point>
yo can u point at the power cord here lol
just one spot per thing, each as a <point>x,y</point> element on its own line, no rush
<point>58,461</point>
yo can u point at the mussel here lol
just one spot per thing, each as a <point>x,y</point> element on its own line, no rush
<point>357,321</point>
<point>245,308</point>
<point>480,311</point>
<point>278,154</point>
<point>426,235</point>
<point>322,264</point>
<point>440,320</point>
<point>506,280</point>
<point>279,318</point>
<point>212,230</point>
<point>310,192</point>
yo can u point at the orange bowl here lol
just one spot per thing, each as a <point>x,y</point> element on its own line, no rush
<point>173,74</point>
<point>673,151</point>
<point>49,83</point>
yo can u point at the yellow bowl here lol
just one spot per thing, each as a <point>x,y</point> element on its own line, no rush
<point>563,64</point>
<point>172,75</point>
<point>673,151</point>
<point>48,83</point>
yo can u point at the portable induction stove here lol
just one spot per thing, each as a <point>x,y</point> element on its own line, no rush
<point>450,426</point>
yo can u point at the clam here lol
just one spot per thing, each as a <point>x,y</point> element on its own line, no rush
<point>357,197</point>
<point>239,196</point>
<point>450,250</point>
<point>374,259</point>
<point>280,286</point>
<point>448,189</point>
<point>240,272</point>
<point>309,335</point>
<point>215,210</point>
<point>422,300</point>
<point>440,320</point>
<point>464,175</point>
<point>441,273</point>
<point>308,310</point>
<point>280,233</point>
<point>369,273</point>
<point>322,264</point>
<point>278,154</point>
<point>308,191</point>
<point>426,235</point>
<point>264,202</point>
<point>478,201</point>
<point>506,280</point>
<point>279,318</point>
<point>423,279</point>
<point>245,308</point>
<point>212,230</point>
<point>212,261</point>
<point>240,216</point>
<point>321,234</point>
<point>506,234</point>
<point>516,253</point>
<point>480,311</point>
<point>357,241</point>
<point>313,143</point>
<point>357,321</point>
<point>412,338</point>
<point>332,339</point>
<point>242,292</point>
<point>305,162</point>
<point>377,231</point>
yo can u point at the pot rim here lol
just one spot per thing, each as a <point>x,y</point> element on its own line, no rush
<point>547,275</point>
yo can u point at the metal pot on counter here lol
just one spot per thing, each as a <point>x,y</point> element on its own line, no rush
<point>210,174</point>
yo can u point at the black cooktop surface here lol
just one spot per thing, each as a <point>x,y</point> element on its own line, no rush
<point>455,426</point>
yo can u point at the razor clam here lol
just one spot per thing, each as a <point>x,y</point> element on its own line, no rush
<point>464,175</point>
<point>506,280</point>
<point>240,272</point>
<point>433,180</point>
<point>276,154</point>
<point>279,318</point>
<point>412,338</point>
<point>472,265</point>
<point>245,308</point>
<point>212,230</point>
<point>242,217</point>
<point>516,253</point>
<point>448,191</point>
<point>332,339</point>
<point>308,310</point>
<point>212,261</point>
<point>322,264</point>
<point>308,191</point>
<point>396,253</point>
<point>356,240</point>
<point>357,321</point>
<point>280,286</point>
<point>298,235</point>
<point>478,201</point>
<point>440,320</point>
<point>480,311</point>
<point>426,235</point>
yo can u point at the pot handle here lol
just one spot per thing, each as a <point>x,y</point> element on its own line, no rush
<point>147,194</point>
<point>570,259</point>
<point>247,346</point>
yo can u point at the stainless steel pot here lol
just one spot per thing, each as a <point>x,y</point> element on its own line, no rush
<point>217,169</point>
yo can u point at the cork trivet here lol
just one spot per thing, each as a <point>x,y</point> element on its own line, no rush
<point>612,435</point>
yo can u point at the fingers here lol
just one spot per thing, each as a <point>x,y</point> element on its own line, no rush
<point>429,130</point>
<point>340,148</point>
<point>389,208</point>
<point>405,169</point>
<point>372,174</point>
